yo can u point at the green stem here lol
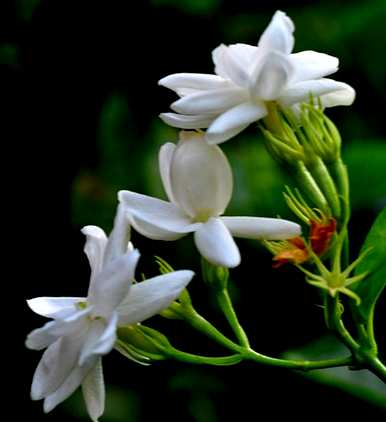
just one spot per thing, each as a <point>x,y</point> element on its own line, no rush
<point>337,324</point>
<point>202,325</point>
<point>305,365</point>
<point>376,367</point>
<point>226,306</point>
<point>205,327</point>
<point>206,360</point>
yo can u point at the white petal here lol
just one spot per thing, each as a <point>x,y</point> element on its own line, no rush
<point>278,34</point>
<point>93,389</point>
<point>231,122</point>
<point>156,212</point>
<point>312,65</point>
<point>212,101</point>
<point>218,59</point>
<point>154,232</point>
<point>42,337</point>
<point>244,54</point>
<point>271,75</point>
<point>197,81</point>
<point>345,96</point>
<point>164,162</point>
<point>55,366</point>
<point>54,307</point>
<point>99,339</point>
<point>96,241</point>
<point>201,178</point>
<point>113,283</point>
<point>183,121</point>
<point>150,297</point>
<point>261,228</point>
<point>216,244</point>
<point>69,385</point>
<point>235,67</point>
<point>119,236</point>
<point>301,91</point>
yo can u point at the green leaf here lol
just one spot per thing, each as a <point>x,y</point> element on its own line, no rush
<point>375,263</point>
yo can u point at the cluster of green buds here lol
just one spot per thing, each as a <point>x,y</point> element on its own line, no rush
<point>308,145</point>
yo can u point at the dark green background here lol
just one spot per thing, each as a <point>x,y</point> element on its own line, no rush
<point>79,89</point>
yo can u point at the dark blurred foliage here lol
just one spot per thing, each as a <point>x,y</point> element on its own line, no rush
<point>80,98</point>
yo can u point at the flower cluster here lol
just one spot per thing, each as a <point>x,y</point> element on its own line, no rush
<point>248,79</point>
<point>249,82</point>
<point>84,329</point>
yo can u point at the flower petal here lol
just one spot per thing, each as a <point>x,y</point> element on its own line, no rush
<point>201,177</point>
<point>151,296</point>
<point>54,307</point>
<point>96,241</point>
<point>93,389</point>
<point>278,34</point>
<point>69,385</point>
<point>164,162</point>
<point>261,228</point>
<point>99,340</point>
<point>312,65</point>
<point>183,121</point>
<point>113,283</point>
<point>154,232</point>
<point>271,75</point>
<point>41,337</point>
<point>55,366</point>
<point>234,62</point>
<point>216,244</point>
<point>118,241</point>
<point>231,122</point>
<point>196,81</point>
<point>333,92</point>
<point>212,101</point>
<point>344,96</point>
<point>156,212</point>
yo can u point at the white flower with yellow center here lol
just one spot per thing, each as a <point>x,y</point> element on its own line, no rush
<point>198,181</point>
<point>247,78</point>
<point>84,329</point>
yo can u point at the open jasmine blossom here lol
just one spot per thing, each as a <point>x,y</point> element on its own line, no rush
<point>247,78</point>
<point>84,329</point>
<point>198,182</point>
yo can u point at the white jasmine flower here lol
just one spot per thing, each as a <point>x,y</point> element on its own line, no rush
<point>247,78</point>
<point>84,329</point>
<point>198,181</point>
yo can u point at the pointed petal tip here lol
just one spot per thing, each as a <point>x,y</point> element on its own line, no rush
<point>94,231</point>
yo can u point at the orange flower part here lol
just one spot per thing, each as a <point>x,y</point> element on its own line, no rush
<point>295,252</point>
<point>321,234</point>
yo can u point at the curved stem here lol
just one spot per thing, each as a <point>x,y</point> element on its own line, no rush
<point>206,360</point>
<point>376,367</point>
<point>333,304</point>
<point>205,327</point>
<point>226,306</point>
<point>305,365</point>
<point>202,325</point>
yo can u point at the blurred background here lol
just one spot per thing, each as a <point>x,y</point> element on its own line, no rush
<point>78,83</point>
